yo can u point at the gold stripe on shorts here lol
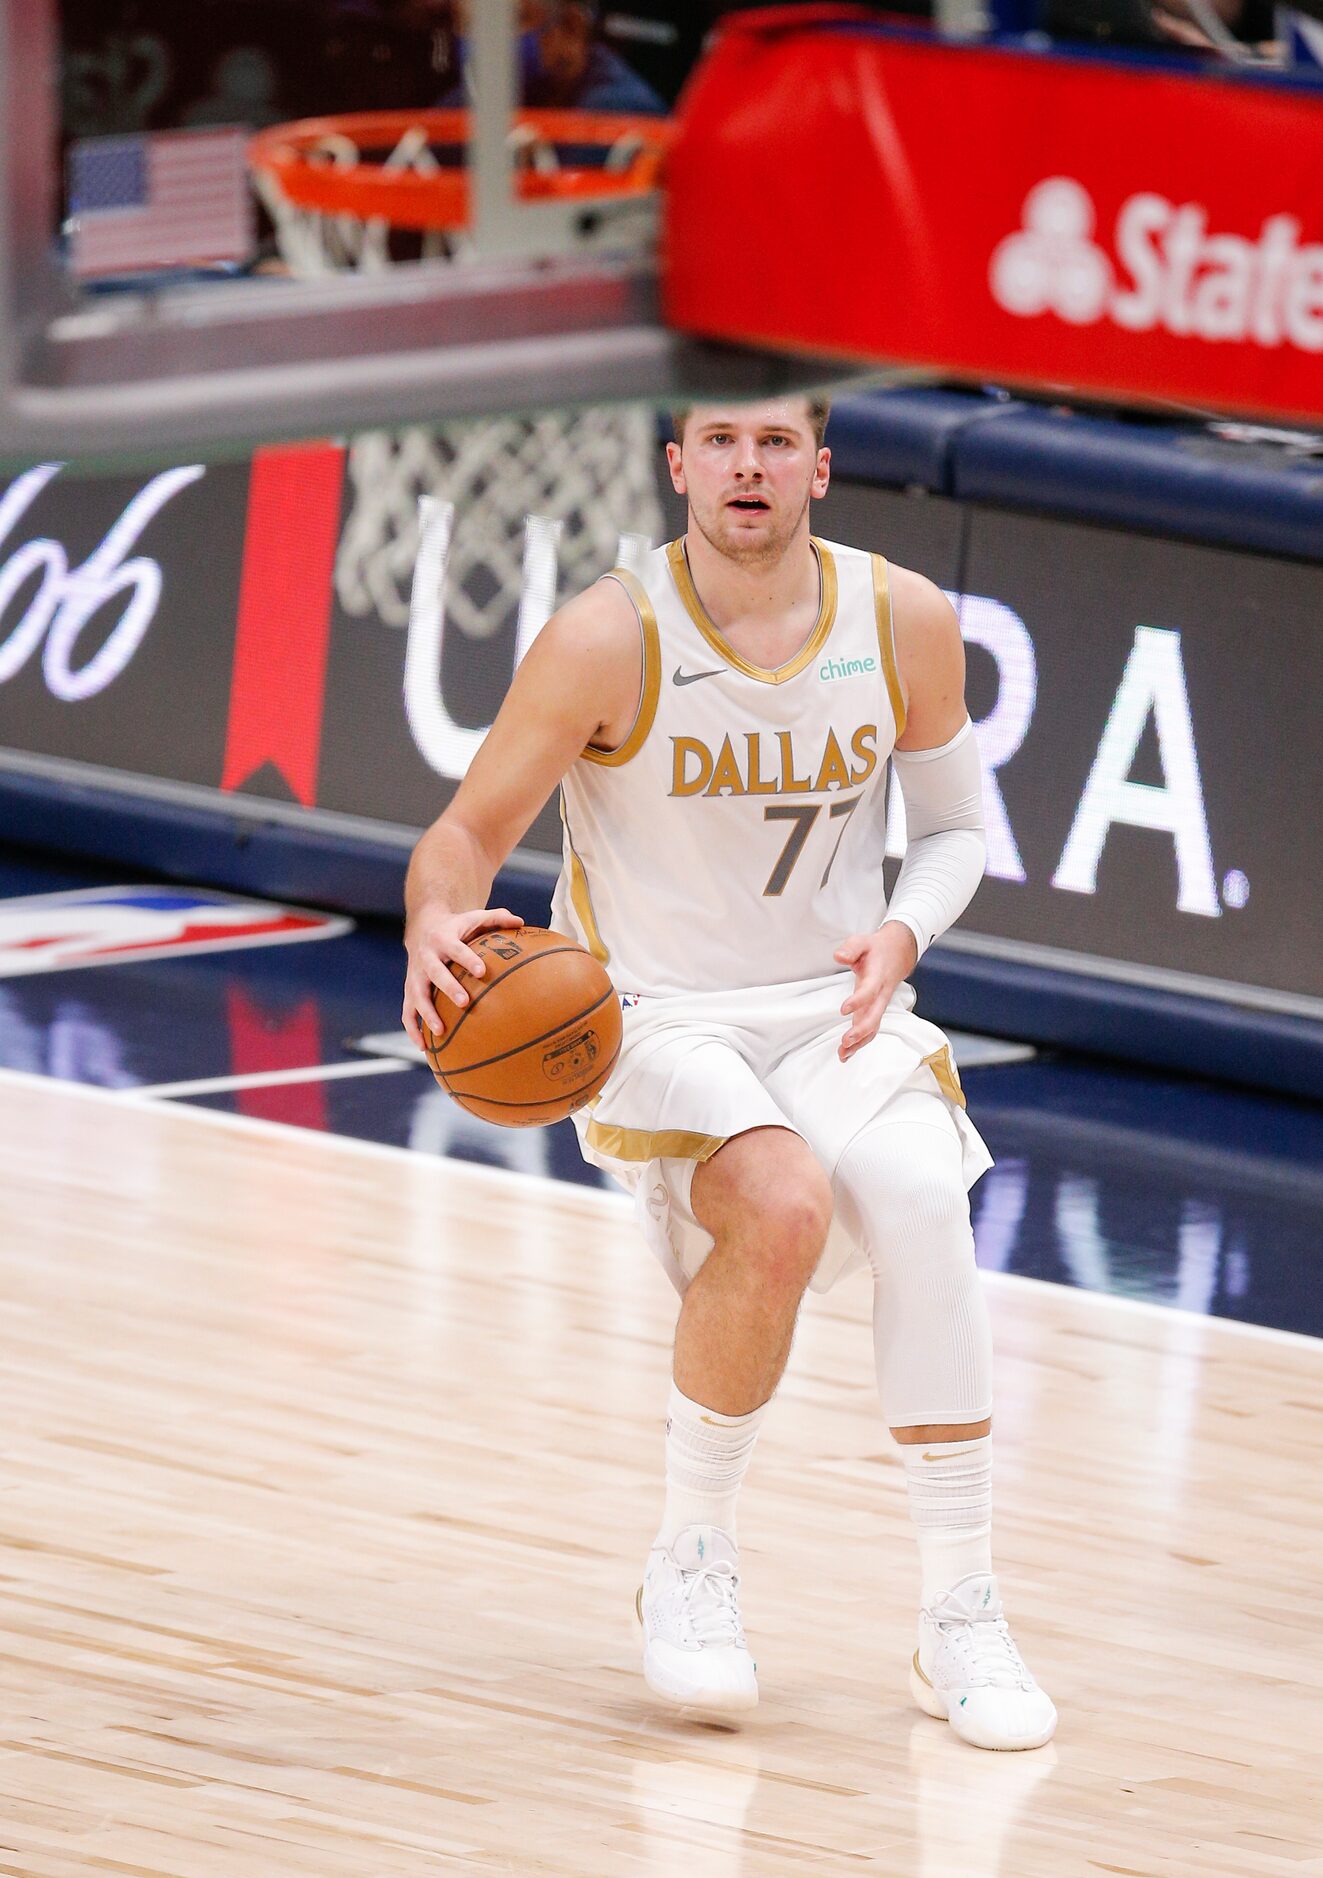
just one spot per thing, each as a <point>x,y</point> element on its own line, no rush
<point>642,1144</point>
<point>946,1075</point>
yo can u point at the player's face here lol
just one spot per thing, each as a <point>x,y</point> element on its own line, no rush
<point>749,472</point>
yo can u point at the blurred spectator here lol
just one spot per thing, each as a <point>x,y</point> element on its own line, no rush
<point>134,65</point>
<point>659,39</point>
<point>118,67</point>
<point>1214,25</point>
<point>378,56</point>
<point>564,63</point>
<point>1205,25</point>
<point>910,9</point>
<point>243,91</point>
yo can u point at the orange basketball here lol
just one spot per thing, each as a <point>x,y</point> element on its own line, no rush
<point>539,1035</point>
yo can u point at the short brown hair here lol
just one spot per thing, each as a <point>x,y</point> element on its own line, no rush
<point>819,410</point>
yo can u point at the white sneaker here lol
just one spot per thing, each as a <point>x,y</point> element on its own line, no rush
<point>968,1671</point>
<point>694,1651</point>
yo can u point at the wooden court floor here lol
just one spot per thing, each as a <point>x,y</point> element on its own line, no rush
<point>327,1477</point>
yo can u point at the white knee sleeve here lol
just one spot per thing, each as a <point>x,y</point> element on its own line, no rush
<point>900,1189</point>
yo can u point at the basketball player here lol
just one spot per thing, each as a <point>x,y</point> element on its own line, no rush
<point>720,724</point>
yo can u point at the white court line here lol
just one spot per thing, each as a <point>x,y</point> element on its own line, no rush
<point>971,1051</point>
<point>260,1079</point>
<point>600,1198</point>
<point>386,1043</point>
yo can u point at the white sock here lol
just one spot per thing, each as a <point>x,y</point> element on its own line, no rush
<point>950,1495</point>
<point>707,1456</point>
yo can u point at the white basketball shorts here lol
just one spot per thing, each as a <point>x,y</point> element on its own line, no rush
<point>697,1069</point>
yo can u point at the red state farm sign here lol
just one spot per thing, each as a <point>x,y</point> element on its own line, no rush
<point>1168,271</point>
<point>1035,219</point>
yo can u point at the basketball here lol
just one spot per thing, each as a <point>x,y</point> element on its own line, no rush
<point>539,1035</point>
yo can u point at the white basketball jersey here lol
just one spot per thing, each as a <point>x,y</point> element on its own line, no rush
<point>737,836</point>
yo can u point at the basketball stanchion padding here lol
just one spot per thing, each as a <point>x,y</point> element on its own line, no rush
<point>539,1035</point>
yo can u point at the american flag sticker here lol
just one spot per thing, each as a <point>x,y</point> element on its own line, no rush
<point>174,199</point>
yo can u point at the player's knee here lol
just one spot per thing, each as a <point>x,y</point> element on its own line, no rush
<point>771,1202</point>
<point>906,1184</point>
<point>795,1224</point>
<point>924,1198</point>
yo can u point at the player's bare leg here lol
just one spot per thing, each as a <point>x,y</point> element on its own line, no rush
<point>768,1206</point>
<point>933,1432</point>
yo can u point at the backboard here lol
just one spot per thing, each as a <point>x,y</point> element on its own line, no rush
<point>544,311</point>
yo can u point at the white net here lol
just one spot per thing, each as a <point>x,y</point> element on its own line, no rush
<point>591,472</point>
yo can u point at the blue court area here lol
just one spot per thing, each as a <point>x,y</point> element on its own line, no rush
<point>1177,1192</point>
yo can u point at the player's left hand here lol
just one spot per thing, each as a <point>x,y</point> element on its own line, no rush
<point>881,961</point>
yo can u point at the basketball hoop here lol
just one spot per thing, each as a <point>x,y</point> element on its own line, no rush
<point>372,190</point>
<point>406,168</point>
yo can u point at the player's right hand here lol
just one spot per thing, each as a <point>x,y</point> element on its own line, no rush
<point>435,942</point>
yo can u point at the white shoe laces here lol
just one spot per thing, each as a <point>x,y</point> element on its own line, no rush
<point>711,1601</point>
<point>987,1651</point>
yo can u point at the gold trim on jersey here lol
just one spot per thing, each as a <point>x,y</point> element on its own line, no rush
<point>639,1144</point>
<point>581,898</point>
<point>650,688</point>
<point>945,1074</point>
<point>698,613</point>
<point>886,640</point>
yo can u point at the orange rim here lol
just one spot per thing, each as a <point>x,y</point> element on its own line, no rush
<point>292,155</point>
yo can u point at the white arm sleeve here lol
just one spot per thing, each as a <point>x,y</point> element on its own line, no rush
<point>943,865</point>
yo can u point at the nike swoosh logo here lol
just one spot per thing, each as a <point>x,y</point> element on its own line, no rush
<point>692,678</point>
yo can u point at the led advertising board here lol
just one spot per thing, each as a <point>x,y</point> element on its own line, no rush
<point>1143,706</point>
